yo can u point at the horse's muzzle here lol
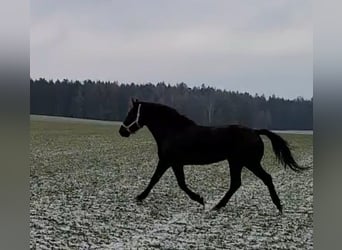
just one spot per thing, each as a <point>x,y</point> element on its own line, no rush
<point>123,132</point>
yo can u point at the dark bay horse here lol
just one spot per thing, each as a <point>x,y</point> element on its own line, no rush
<point>182,142</point>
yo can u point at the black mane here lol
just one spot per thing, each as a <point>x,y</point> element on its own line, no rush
<point>168,114</point>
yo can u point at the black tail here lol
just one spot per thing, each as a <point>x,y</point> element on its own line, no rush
<point>281,150</point>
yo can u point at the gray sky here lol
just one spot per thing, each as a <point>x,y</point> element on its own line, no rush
<point>262,46</point>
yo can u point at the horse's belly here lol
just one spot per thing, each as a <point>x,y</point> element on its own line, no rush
<point>202,160</point>
<point>199,156</point>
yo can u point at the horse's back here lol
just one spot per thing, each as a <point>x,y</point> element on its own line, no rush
<point>204,145</point>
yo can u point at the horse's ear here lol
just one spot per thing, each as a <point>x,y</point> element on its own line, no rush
<point>134,101</point>
<point>131,103</point>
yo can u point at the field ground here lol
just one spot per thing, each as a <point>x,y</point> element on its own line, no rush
<point>84,178</point>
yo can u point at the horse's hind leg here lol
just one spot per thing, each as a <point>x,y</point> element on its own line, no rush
<point>160,170</point>
<point>267,179</point>
<point>179,173</point>
<point>235,183</point>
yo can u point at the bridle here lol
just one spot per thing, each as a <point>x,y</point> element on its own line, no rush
<point>136,121</point>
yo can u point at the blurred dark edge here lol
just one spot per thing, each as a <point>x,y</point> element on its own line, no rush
<point>14,125</point>
<point>327,125</point>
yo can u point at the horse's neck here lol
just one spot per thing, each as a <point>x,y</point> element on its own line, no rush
<point>158,131</point>
<point>161,131</point>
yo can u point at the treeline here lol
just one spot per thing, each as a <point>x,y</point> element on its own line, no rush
<point>205,105</point>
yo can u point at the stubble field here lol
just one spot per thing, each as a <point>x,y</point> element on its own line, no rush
<point>84,178</point>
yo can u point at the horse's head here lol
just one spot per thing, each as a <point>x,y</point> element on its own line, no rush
<point>133,121</point>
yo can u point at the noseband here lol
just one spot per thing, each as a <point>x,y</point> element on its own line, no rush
<point>136,121</point>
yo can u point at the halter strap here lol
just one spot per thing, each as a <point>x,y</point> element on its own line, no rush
<point>136,121</point>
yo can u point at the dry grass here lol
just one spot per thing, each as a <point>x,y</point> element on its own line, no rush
<point>84,178</point>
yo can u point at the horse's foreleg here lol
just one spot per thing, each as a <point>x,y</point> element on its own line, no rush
<point>160,170</point>
<point>235,183</point>
<point>179,173</point>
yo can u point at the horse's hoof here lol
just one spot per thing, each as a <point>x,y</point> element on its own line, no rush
<point>216,208</point>
<point>139,199</point>
<point>280,210</point>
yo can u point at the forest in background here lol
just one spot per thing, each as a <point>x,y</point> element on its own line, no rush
<point>205,105</point>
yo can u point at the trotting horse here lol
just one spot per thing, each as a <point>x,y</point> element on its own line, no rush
<point>181,141</point>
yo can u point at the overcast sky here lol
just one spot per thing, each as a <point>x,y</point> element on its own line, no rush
<point>262,46</point>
